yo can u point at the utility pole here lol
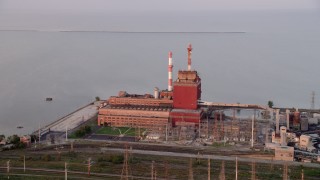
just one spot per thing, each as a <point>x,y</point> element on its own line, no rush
<point>236,168</point>
<point>302,175</point>
<point>71,146</point>
<point>152,171</point>
<point>209,168</point>
<point>271,164</point>
<point>24,163</point>
<point>190,177</point>
<point>58,149</point>
<point>166,170</point>
<point>89,166</point>
<point>285,171</point>
<point>8,166</point>
<point>253,170</point>
<point>65,171</point>
<point>222,175</point>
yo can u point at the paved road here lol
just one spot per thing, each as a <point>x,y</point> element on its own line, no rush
<point>218,157</point>
<point>110,138</point>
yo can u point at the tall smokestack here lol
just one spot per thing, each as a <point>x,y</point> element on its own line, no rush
<point>170,72</point>
<point>277,120</point>
<point>189,57</point>
<point>288,118</point>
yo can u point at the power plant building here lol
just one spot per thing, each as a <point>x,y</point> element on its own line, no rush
<point>135,111</point>
<point>178,104</point>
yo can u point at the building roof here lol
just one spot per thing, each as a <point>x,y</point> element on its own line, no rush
<point>187,77</point>
<point>187,110</point>
<point>136,107</point>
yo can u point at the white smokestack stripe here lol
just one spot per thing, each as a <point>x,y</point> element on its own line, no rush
<point>170,66</point>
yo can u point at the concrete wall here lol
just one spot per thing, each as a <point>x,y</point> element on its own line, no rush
<point>284,153</point>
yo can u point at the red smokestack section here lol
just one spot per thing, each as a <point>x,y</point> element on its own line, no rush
<point>170,66</point>
<point>189,56</point>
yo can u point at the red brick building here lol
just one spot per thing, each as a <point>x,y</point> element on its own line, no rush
<point>135,111</point>
<point>179,105</point>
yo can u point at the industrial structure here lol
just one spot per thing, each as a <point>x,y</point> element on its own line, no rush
<point>178,105</point>
<point>178,113</point>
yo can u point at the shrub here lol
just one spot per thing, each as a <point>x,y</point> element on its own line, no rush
<point>21,145</point>
<point>47,157</point>
<point>14,139</point>
<point>82,131</point>
<point>117,159</point>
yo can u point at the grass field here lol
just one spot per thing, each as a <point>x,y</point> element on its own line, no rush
<point>119,131</point>
<point>139,165</point>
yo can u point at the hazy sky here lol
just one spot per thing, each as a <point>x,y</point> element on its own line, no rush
<point>276,59</point>
<point>83,6</point>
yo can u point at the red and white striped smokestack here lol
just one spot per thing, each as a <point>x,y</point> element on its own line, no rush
<point>189,56</point>
<point>170,66</point>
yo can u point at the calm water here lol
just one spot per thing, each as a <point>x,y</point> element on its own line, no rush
<point>277,58</point>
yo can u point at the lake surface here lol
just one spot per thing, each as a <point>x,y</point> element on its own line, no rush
<point>274,57</point>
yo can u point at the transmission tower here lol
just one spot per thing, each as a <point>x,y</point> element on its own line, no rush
<point>209,168</point>
<point>153,171</point>
<point>215,127</point>
<point>190,177</point>
<point>125,170</point>
<point>166,175</point>
<point>222,125</point>
<point>253,171</point>
<point>285,171</point>
<point>313,94</point>
<point>236,168</point>
<point>222,175</point>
